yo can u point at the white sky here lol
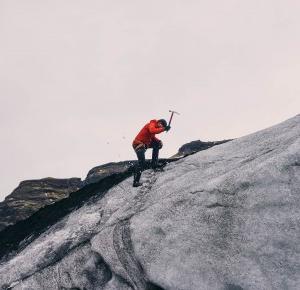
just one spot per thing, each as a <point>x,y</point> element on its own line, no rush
<point>78,79</point>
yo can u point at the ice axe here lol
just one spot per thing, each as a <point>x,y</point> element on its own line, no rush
<point>173,112</point>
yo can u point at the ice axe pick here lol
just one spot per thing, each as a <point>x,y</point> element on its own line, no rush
<point>173,112</point>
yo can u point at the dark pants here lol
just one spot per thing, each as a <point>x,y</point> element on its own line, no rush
<point>140,152</point>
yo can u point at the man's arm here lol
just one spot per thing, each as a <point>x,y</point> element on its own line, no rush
<point>155,130</point>
<point>159,142</point>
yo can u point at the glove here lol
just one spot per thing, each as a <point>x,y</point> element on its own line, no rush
<point>167,128</point>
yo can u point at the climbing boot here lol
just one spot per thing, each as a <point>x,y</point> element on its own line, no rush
<point>137,184</point>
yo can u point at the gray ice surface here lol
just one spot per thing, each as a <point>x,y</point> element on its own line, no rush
<point>227,218</point>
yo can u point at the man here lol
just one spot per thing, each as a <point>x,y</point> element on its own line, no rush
<point>144,140</point>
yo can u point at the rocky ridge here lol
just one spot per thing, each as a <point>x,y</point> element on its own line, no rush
<point>32,195</point>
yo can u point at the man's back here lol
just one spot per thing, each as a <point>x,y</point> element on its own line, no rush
<point>147,133</point>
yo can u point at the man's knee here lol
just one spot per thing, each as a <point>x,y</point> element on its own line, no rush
<point>140,149</point>
<point>157,145</point>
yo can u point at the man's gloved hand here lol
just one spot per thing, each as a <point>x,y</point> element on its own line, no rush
<point>167,128</point>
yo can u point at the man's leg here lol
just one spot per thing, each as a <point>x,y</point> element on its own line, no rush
<point>140,165</point>
<point>156,145</point>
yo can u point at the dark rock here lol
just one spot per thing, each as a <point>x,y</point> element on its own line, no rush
<point>196,146</point>
<point>100,172</point>
<point>31,195</point>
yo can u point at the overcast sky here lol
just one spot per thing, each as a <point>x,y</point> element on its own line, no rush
<point>78,79</point>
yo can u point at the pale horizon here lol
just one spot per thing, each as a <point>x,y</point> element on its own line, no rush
<point>78,79</point>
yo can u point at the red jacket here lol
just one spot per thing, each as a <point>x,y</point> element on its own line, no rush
<point>147,134</point>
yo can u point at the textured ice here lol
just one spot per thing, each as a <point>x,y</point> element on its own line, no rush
<point>224,218</point>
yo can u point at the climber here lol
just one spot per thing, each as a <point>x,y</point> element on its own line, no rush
<point>144,140</point>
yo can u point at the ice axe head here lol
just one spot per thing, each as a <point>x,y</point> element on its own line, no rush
<point>172,113</point>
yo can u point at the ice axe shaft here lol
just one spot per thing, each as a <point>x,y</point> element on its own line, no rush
<point>173,112</point>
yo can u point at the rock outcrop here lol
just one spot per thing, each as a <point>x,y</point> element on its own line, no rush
<point>224,218</point>
<point>31,195</point>
<point>100,172</point>
<point>196,146</point>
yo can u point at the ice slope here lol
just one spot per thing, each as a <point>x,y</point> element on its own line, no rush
<point>225,218</point>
